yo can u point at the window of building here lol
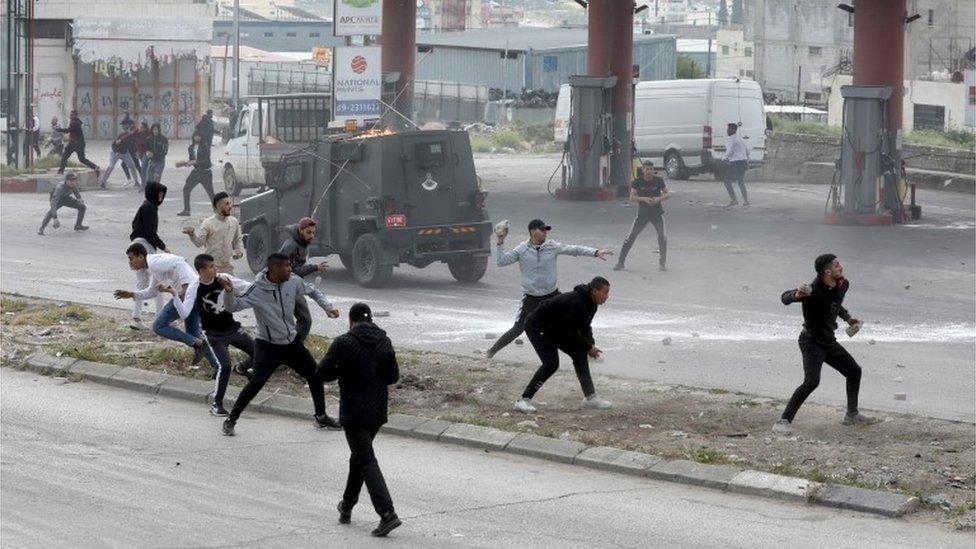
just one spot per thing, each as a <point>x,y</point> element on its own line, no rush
<point>221,34</point>
<point>290,34</point>
<point>929,117</point>
<point>725,50</point>
<point>550,63</point>
<point>812,96</point>
<point>50,28</point>
<point>424,49</point>
<point>748,52</point>
<point>742,72</point>
<point>850,19</point>
<point>510,54</point>
<point>931,18</point>
<point>750,74</point>
<point>815,50</point>
<point>268,34</point>
<point>314,34</point>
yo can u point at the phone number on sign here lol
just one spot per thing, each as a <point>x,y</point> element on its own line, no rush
<point>366,108</point>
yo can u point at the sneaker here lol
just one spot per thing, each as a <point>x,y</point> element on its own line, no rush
<point>732,203</point>
<point>745,204</point>
<point>81,227</point>
<point>858,418</point>
<point>388,522</point>
<point>597,403</point>
<point>217,409</point>
<point>136,324</point>
<point>184,213</point>
<point>525,406</point>
<point>200,350</point>
<point>618,267</point>
<point>228,428</point>
<point>662,268</point>
<point>40,232</point>
<point>345,515</point>
<point>325,422</point>
<point>782,427</point>
<point>98,172</point>
<point>241,369</point>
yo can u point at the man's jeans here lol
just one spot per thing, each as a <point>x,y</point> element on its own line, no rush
<point>162,326</point>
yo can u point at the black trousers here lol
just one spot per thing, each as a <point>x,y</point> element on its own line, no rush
<point>814,355</point>
<point>529,304</point>
<point>221,342</point>
<point>267,358</point>
<point>736,171</point>
<point>548,351</point>
<point>75,148</point>
<point>363,468</point>
<point>69,202</point>
<point>197,177</point>
<point>640,223</point>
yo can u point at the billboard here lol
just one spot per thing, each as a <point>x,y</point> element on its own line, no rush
<point>358,17</point>
<point>358,83</point>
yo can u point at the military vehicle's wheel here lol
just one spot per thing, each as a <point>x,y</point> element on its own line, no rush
<point>346,261</point>
<point>675,166</point>
<point>366,266</point>
<point>468,269</point>
<point>260,244</point>
<point>231,184</point>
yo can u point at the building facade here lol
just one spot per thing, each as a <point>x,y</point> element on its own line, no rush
<point>735,56</point>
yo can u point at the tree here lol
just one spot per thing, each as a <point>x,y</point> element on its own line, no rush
<point>686,68</point>
<point>736,12</point>
<point>723,13</point>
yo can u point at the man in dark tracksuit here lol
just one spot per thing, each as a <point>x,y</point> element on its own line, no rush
<point>201,174</point>
<point>822,304</point>
<point>365,364</point>
<point>76,144</point>
<point>274,298</point>
<point>648,191</point>
<point>562,323</point>
<point>65,195</point>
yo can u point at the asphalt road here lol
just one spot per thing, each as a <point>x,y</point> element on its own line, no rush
<point>85,465</point>
<point>915,286</point>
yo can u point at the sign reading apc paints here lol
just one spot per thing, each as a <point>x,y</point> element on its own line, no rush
<point>358,17</point>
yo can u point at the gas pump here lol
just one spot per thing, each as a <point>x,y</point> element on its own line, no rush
<point>590,140</point>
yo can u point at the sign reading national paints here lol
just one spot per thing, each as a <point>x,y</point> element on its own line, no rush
<point>358,83</point>
<point>356,17</point>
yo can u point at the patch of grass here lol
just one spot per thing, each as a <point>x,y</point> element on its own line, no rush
<point>808,128</point>
<point>90,352</point>
<point>481,144</point>
<point>42,164</point>
<point>317,345</point>
<point>952,139</point>
<point>506,137</point>
<point>707,455</point>
<point>181,355</point>
<point>12,305</point>
<point>51,316</point>
<point>745,403</point>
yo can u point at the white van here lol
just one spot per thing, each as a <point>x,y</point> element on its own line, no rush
<point>680,124</point>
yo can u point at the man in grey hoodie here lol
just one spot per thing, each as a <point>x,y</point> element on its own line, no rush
<point>65,195</point>
<point>277,298</point>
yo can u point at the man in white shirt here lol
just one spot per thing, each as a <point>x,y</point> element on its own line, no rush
<point>165,268</point>
<point>736,161</point>
<point>34,138</point>
<point>219,234</point>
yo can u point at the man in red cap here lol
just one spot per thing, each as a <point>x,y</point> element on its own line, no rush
<point>296,248</point>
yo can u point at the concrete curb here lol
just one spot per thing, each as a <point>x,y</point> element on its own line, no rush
<point>721,477</point>
<point>45,182</point>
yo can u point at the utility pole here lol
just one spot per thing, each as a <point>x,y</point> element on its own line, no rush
<point>235,75</point>
<point>708,57</point>
<point>799,76</point>
<point>19,78</point>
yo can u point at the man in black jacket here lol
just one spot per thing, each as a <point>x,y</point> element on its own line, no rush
<point>822,304</point>
<point>364,362</point>
<point>144,231</point>
<point>205,127</point>
<point>296,247</point>
<point>201,174</point>
<point>76,144</point>
<point>562,323</point>
<point>157,147</point>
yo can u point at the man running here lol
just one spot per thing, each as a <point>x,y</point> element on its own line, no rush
<point>537,261</point>
<point>163,269</point>
<point>365,364</point>
<point>563,324</point>
<point>76,144</point>
<point>648,192</point>
<point>219,325</point>
<point>274,297</point>
<point>219,234</point>
<point>296,248</point>
<point>822,304</point>
<point>736,163</point>
<point>157,147</point>
<point>66,194</point>
<point>120,150</point>
<point>145,227</point>
<point>201,174</point>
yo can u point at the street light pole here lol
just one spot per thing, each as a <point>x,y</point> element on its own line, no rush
<point>235,91</point>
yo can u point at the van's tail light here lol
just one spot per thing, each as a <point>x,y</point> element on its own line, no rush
<point>479,200</point>
<point>707,137</point>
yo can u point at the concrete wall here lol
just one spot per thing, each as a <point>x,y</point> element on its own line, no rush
<point>70,9</point>
<point>54,81</point>
<point>953,96</point>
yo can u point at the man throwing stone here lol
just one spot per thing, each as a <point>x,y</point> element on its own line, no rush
<point>822,304</point>
<point>648,191</point>
<point>537,261</point>
<point>65,195</point>
<point>563,324</point>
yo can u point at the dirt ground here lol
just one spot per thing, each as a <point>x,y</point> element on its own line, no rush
<point>931,458</point>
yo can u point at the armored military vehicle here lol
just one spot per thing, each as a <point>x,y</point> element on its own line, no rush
<point>379,199</point>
